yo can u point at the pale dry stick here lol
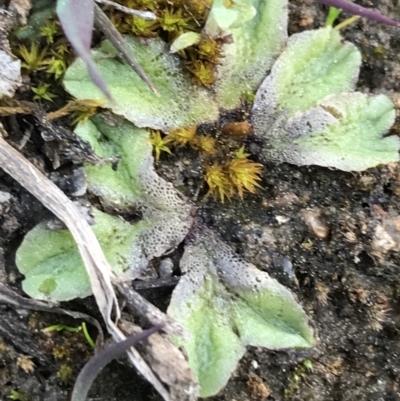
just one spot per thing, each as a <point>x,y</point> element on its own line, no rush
<point>148,15</point>
<point>99,271</point>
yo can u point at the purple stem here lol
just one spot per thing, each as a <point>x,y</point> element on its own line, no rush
<point>355,9</point>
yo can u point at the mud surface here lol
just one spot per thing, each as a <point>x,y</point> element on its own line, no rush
<point>332,237</point>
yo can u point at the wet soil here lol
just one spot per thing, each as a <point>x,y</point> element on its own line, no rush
<point>328,235</point>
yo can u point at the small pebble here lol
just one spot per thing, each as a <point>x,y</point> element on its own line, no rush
<point>258,390</point>
<point>315,223</point>
<point>282,219</point>
<point>305,20</point>
<point>237,130</point>
<point>386,237</point>
<point>4,197</point>
<point>287,267</point>
<point>166,268</point>
<point>286,199</point>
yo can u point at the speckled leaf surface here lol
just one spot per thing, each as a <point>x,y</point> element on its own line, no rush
<point>53,267</point>
<point>118,187</point>
<point>345,131</point>
<point>228,304</point>
<point>303,118</point>
<point>225,16</point>
<point>314,64</point>
<point>181,103</point>
<point>257,42</point>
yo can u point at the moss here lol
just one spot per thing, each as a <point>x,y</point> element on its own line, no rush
<point>65,373</point>
<point>174,19</point>
<point>61,352</point>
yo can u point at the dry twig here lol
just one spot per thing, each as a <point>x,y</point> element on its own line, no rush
<point>148,15</point>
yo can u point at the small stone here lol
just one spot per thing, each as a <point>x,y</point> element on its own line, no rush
<point>282,219</point>
<point>10,74</point>
<point>322,293</point>
<point>315,223</point>
<point>237,130</point>
<point>258,390</point>
<point>287,267</point>
<point>386,237</point>
<point>351,237</point>
<point>21,8</point>
<point>4,197</point>
<point>166,268</point>
<point>305,20</point>
<point>287,199</point>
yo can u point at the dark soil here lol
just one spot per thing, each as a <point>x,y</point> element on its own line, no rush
<point>311,228</point>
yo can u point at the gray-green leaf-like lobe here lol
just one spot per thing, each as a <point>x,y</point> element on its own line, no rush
<point>345,131</point>
<point>228,304</point>
<point>118,187</point>
<point>314,64</point>
<point>303,118</point>
<point>257,41</point>
<point>181,103</point>
<point>133,183</point>
<point>225,16</point>
<point>54,269</point>
<point>185,40</point>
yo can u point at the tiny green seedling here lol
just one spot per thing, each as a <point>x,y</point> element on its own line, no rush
<point>332,16</point>
<point>62,326</point>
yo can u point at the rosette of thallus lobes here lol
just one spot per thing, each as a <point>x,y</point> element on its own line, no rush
<point>305,112</point>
